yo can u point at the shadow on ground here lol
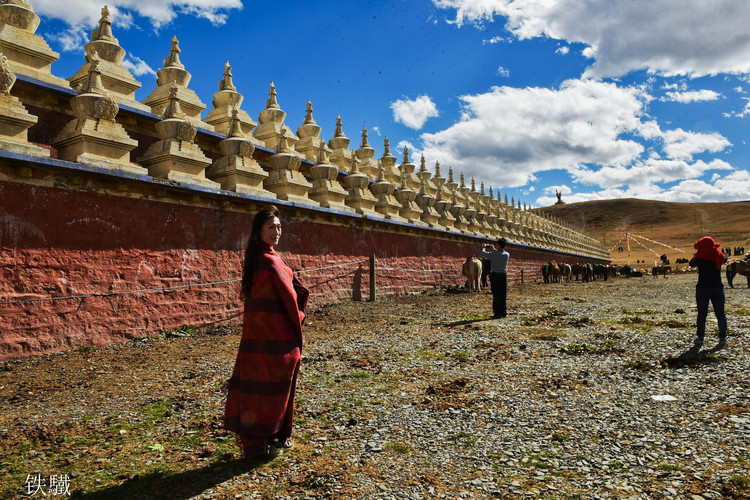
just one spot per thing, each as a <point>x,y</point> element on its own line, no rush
<point>693,356</point>
<point>468,321</point>
<point>177,486</point>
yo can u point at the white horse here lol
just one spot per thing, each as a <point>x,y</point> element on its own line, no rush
<point>472,269</point>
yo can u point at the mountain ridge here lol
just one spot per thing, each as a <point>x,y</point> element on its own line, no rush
<point>675,224</point>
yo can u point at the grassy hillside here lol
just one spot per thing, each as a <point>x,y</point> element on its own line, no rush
<point>676,224</point>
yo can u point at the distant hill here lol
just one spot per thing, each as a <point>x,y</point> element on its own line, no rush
<point>676,224</point>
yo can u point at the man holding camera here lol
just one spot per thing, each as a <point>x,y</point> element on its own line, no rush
<point>498,276</point>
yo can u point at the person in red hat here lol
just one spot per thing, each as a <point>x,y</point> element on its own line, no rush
<point>709,259</point>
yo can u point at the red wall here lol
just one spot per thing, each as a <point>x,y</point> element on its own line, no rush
<point>58,242</point>
<point>61,242</point>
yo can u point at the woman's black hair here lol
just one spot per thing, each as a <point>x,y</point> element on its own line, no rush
<point>253,247</point>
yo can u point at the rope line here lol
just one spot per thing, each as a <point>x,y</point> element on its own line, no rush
<point>331,267</point>
<point>383,268</point>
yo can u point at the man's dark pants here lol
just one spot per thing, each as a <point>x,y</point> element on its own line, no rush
<point>499,287</point>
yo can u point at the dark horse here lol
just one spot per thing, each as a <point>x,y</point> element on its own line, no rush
<point>738,267</point>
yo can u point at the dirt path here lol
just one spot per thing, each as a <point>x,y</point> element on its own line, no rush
<point>415,397</point>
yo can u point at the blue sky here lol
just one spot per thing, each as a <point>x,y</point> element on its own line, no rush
<point>598,99</point>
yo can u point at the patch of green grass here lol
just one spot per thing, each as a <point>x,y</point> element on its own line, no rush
<point>582,321</point>
<point>734,333</point>
<point>578,348</point>
<point>156,447</point>
<point>183,331</point>
<point>157,409</point>
<point>559,437</point>
<point>536,461</point>
<point>610,343</point>
<point>464,437</point>
<point>358,375</point>
<point>637,320</point>
<point>423,353</point>
<point>554,313</point>
<point>462,356</point>
<point>638,365</point>
<point>397,448</point>
<point>741,482</point>
<point>617,465</point>
<point>738,311</point>
<point>671,467</point>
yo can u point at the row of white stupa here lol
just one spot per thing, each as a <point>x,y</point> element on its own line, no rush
<point>331,175</point>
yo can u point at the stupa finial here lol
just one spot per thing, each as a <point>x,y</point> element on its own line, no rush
<point>309,120</point>
<point>339,128</point>
<point>271,102</point>
<point>104,30</point>
<point>226,82</point>
<point>173,59</point>
<point>364,144</point>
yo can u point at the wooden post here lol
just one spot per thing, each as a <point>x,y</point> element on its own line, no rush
<point>522,276</point>
<point>372,277</point>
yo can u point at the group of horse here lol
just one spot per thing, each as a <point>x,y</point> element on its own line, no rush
<point>552,272</point>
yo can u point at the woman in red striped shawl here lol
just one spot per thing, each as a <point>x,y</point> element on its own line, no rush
<point>260,396</point>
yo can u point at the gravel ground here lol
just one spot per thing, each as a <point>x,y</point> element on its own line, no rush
<point>413,398</point>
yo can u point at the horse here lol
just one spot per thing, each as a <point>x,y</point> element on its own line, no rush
<point>553,272</point>
<point>738,267</point>
<point>486,268</point>
<point>565,272</point>
<point>657,270</point>
<point>576,270</point>
<point>472,269</point>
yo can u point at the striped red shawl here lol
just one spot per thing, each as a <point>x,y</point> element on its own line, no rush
<point>260,393</point>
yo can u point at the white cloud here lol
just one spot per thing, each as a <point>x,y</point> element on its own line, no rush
<point>507,135</point>
<point>669,37</point>
<point>563,50</point>
<point>691,96</point>
<point>71,40</point>
<point>735,186</point>
<point>503,72</point>
<point>414,113</point>
<point>377,130</point>
<point>679,144</point>
<point>493,40</point>
<point>644,174</point>
<point>158,12</point>
<point>740,114</point>
<point>138,67</point>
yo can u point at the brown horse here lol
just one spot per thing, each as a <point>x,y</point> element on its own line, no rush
<point>656,271</point>
<point>738,267</point>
